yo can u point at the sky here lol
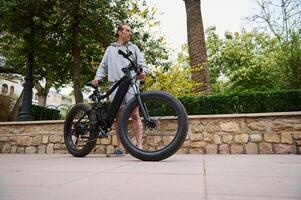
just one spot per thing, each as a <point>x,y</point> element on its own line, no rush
<point>226,15</point>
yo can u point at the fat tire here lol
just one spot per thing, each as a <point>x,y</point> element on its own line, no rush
<point>173,147</point>
<point>68,127</point>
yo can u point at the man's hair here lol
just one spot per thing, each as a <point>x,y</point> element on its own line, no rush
<point>120,28</point>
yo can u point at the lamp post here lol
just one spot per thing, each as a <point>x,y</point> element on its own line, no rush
<point>25,112</point>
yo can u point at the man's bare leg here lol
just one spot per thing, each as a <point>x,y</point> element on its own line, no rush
<point>137,126</point>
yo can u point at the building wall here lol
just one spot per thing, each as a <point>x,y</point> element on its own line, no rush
<point>268,133</point>
<point>53,98</point>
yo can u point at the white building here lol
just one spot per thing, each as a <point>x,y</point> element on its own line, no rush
<point>10,87</point>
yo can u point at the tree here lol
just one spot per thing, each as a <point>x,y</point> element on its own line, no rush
<point>197,48</point>
<point>71,38</point>
<point>91,30</point>
<point>44,47</point>
<point>245,61</point>
<point>282,18</point>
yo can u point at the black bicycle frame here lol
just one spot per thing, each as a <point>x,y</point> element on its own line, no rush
<point>123,86</point>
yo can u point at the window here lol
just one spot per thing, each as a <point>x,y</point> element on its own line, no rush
<point>4,89</point>
<point>12,90</point>
<point>36,97</point>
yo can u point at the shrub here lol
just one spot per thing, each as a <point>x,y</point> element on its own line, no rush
<point>5,104</point>
<point>254,102</point>
<point>44,113</point>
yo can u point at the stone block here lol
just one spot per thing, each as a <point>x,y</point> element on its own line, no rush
<point>196,151</point>
<point>213,127</point>
<point>6,148</point>
<point>286,138</point>
<point>207,137</point>
<point>224,149</point>
<point>32,129</point>
<point>251,148</point>
<point>24,140</point>
<point>114,140</point>
<point>12,139</point>
<point>109,149</point>
<point>197,128</point>
<point>42,149</point>
<point>198,144</point>
<point>52,128</point>
<point>45,139</point>
<point>13,149</point>
<point>30,150</point>
<point>183,150</point>
<point>271,137</point>
<point>55,138</point>
<point>298,142</point>
<point>60,151</point>
<point>297,135</point>
<point>211,149</point>
<point>3,138</point>
<point>100,149</point>
<point>167,139</point>
<point>21,150</point>
<point>57,146</point>
<point>217,139</point>
<point>105,140</point>
<point>284,148</point>
<point>265,148</point>
<point>49,149</point>
<point>36,140</point>
<point>257,137</point>
<point>280,126</point>
<point>297,127</point>
<point>157,140</point>
<point>227,138</point>
<point>186,143</point>
<point>257,126</point>
<point>237,149</point>
<point>196,137</point>
<point>241,138</point>
<point>230,126</point>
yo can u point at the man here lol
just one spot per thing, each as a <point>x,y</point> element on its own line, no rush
<point>111,66</point>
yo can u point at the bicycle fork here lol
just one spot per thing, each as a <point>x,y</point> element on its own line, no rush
<point>147,119</point>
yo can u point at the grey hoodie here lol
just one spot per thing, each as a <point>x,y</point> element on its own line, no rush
<point>112,62</point>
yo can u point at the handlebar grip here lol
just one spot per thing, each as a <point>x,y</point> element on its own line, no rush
<point>90,84</point>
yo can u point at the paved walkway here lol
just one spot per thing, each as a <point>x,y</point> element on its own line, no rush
<point>185,177</point>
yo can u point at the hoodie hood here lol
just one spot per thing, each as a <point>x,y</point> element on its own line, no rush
<point>115,44</point>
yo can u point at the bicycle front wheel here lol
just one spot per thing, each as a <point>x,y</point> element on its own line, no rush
<point>159,137</point>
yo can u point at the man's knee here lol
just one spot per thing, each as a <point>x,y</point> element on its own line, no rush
<point>135,116</point>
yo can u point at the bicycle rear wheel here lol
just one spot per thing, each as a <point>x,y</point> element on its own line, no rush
<point>79,130</point>
<point>163,135</point>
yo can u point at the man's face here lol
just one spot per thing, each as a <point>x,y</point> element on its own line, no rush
<point>125,34</point>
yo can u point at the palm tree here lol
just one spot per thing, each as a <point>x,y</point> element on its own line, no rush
<point>197,48</point>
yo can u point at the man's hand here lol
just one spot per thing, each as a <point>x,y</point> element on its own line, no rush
<point>141,76</point>
<point>95,82</point>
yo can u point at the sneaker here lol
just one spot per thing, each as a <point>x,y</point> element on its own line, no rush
<point>116,153</point>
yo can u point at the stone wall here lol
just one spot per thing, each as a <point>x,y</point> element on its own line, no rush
<point>265,133</point>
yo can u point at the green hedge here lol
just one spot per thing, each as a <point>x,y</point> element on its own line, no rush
<point>255,102</point>
<point>5,103</point>
<point>44,113</point>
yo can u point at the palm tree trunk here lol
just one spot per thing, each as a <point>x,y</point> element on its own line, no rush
<point>197,48</point>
